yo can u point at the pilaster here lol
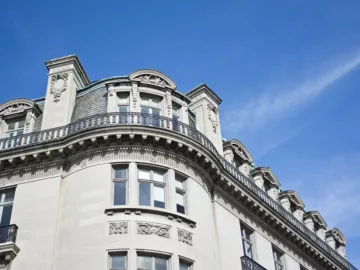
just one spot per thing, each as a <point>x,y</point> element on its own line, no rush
<point>285,202</point>
<point>309,223</point>
<point>133,184</point>
<point>330,240</point>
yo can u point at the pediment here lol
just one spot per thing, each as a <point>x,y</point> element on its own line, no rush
<point>16,106</point>
<point>268,175</point>
<point>316,217</point>
<point>293,197</point>
<point>338,236</point>
<point>239,149</point>
<point>149,76</point>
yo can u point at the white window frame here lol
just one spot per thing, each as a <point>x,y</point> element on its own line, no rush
<point>118,253</point>
<point>278,257</point>
<point>245,230</point>
<point>153,183</point>
<point>181,191</point>
<point>187,261</point>
<point>153,255</point>
<point>121,180</point>
<point>3,203</point>
<point>16,127</point>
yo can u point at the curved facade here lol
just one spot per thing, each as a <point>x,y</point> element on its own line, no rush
<point>129,173</point>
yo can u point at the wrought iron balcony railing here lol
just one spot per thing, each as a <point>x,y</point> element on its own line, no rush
<point>8,233</point>
<point>249,264</point>
<point>142,119</point>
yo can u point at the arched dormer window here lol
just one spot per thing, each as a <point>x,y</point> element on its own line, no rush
<point>236,153</point>
<point>152,77</point>
<point>18,117</point>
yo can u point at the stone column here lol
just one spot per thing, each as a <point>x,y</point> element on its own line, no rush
<point>330,240</point>
<point>259,181</point>
<point>133,185</point>
<point>299,214</point>
<point>309,223</point>
<point>285,202</point>
<point>321,233</point>
<point>273,193</point>
<point>342,251</point>
<point>112,98</point>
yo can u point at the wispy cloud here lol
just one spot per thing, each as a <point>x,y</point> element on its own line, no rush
<point>261,110</point>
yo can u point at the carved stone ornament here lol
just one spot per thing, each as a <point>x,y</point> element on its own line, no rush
<point>15,108</point>
<point>153,228</point>
<point>185,237</point>
<point>212,114</point>
<point>118,228</point>
<point>58,85</point>
<point>134,96</point>
<point>153,79</point>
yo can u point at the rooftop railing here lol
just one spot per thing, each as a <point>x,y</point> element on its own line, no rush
<point>249,264</point>
<point>143,119</point>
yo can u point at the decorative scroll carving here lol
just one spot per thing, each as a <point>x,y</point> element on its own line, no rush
<point>58,85</point>
<point>134,95</point>
<point>153,79</point>
<point>118,228</point>
<point>212,114</point>
<point>15,108</point>
<point>161,230</point>
<point>185,237</point>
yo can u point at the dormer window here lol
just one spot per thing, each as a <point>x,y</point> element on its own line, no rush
<point>292,203</point>
<point>15,127</point>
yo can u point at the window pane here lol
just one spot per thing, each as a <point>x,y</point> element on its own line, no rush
<point>160,264</point>
<point>6,215</point>
<point>144,263</point>
<point>158,176</point>
<point>145,110</point>
<point>184,266</point>
<point>247,249</point>
<point>159,197</point>
<point>123,109</point>
<point>21,124</point>
<point>180,203</point>
<point>119,193</point>
<point>11,125</point>
<point>155,102</point>
<point>19,132</point>
<point>120,173</point>
<point>156,117</point>
<point>144,194</point>
<point>9,196</point>
<point>118,262</point>
<point>144,174</point>
<point>179,184</point>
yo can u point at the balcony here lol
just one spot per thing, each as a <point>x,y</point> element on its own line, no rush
<point>8,248</point>
<point>248,264</point>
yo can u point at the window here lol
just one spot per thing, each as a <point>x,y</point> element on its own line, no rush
<point>15,127</point>
<point>119,184</point>
<point>185,265</point>
<point>175,116</point>
<point>6,205</point>
<point>150,110</point>
<point>118,261</point>
<point>152,263</point>
<point>192,119</point>
<point>151,187</point>
<point>123,106</point>
<point>246,236</point>
<point>180,193</point>
<point>278,259</point>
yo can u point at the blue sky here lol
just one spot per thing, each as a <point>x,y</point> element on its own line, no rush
<point>288,72</point>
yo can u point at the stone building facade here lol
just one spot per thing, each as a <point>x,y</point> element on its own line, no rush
<point>129,173</point>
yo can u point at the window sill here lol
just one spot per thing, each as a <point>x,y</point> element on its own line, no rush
<point>138,210</point>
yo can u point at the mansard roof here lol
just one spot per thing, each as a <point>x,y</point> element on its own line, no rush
<point>203,88</point>
<point>316,217</point>
<point>267,174</point>
<point>17,106</point>
<point>337,235</point>
<point>239,149</point>
<point>293,196</point>
<point>153,77</point>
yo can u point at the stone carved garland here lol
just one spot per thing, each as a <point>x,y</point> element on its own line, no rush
<point>58,85</point>
<point>212,114</point>
<point>153,79</point>
<point>185,237</point>
<point>161,230</point>
<point>118,228</point>
<point>15,108</point>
